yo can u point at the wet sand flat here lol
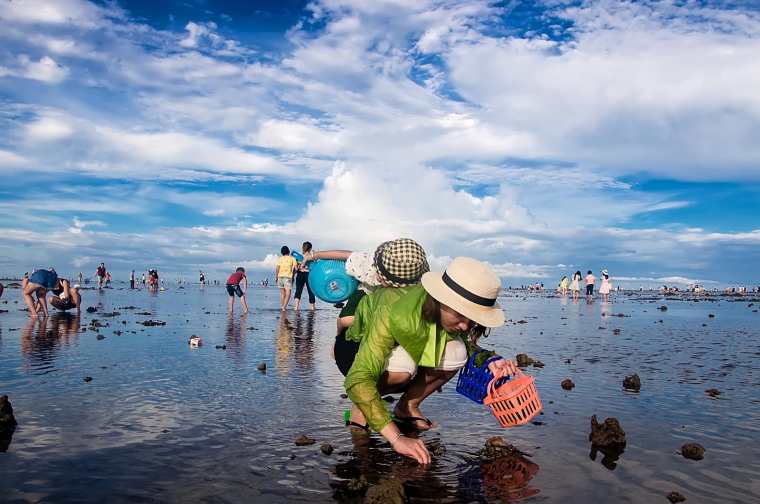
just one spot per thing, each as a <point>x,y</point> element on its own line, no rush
<point>163,422</point>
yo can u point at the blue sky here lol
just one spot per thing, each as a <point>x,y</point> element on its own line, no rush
<point>542,137</point>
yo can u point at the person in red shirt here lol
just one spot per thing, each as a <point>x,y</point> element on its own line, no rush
<point>101,274</point>
<point>233,287</point>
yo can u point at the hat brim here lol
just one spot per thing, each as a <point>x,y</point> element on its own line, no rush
<point>487,316</point>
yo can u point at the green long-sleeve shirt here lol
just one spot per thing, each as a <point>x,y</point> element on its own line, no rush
<point>384,319</point>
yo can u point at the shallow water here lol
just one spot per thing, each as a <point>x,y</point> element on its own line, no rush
<point>163,422</point>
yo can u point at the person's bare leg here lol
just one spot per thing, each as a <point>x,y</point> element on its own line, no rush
<point>30,289</point>
<point>244,303</point>
<point>42,299</point>
<point>286,299</point>
<point>297,306</point>
<point>426,382</point>
<point>231,304</point>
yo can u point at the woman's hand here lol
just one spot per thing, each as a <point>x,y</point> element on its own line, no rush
<point>502,366</point>
<point>412,448</point>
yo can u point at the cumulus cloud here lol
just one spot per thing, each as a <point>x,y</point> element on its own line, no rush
<point>424,119</point>
<point>46,69</point>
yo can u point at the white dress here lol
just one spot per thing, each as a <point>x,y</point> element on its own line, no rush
<point>605,287</point>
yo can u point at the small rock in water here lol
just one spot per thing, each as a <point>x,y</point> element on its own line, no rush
<point>327,448</point>
<point>616,331</point>
<point>523,360</point>
<point>693,451</point>
<point>304,440</point>
<point>676,497</point>
<point>91,309</point>
<point>221,347</point>
<point>567,384</point>
<point>88,379</point>
<point>151,323</point>
<point>7,420</point>
<point>262,366</point>
<point>390,491</point>
<point>389,399</point>
<point>712,392</point>
<point>607,438</point>
<point>100,337</point>
<point>663,308</point>
<point>117,333</point>
<point>632,382</point>
<point>608,433</point>
<point>496,447</point>
<point>711,315</point>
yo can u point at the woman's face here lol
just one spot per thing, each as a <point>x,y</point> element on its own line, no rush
<point>453,321</point>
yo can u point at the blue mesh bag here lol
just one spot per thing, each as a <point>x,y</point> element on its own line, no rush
<point>330,282</point>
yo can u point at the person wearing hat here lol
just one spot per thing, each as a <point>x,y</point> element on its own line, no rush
<point>414,339</point>
<point>606,286</point>
<point>396,263</point>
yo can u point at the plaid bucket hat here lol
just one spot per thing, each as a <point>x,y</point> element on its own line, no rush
<point>400,262</point>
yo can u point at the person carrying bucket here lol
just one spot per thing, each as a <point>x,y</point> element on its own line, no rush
<point>302,279</point>
<point>414,339</point>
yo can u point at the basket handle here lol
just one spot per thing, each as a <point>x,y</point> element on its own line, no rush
<point>499,376</point>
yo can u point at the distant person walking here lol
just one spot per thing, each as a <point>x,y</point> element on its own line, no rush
<point>202,279</point>
<point>283,272</point>
<point>302,279</point>
<point>233,287</point>
<point>606,286</point>
<point>563,285</point>
<point>132,280</point>
<point>590,281</point>
<point>101,274</point>
<point>575,285</point>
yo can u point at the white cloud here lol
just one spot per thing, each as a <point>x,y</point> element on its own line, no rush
<point>75,12</point>
<point>11,160</point>
<point>48,128</point>
<point>46,69</point>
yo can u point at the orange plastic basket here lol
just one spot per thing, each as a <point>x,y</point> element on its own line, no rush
<point>513,402</point>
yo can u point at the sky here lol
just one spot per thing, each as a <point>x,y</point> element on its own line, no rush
<point>541,137</point>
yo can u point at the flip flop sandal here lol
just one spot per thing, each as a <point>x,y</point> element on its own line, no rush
<point>412,421</point>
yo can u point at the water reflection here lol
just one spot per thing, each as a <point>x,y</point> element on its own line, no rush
<point>235,336</point>
<point>303,338</point>
<point>504,478</point>
<point>375,465</point>
<point>283,344</point>
<point>41,338</point>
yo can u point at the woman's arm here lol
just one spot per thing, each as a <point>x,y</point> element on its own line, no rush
<point>339,255</point>
<point>369,365</point>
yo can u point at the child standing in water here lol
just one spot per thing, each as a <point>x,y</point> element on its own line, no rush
<point>233,287</point>
<point>575,286</point>
<point>590,281</point>
<point>606,286</point>
<point>283,272</point>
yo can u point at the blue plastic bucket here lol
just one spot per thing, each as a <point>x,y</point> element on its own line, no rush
<point>297,256</point>
<point>330,282</point>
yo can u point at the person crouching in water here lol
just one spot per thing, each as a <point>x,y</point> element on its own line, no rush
<point>415,339</point>
<point>65,297</point>
<point>233,287</point>
<point>38,284</point>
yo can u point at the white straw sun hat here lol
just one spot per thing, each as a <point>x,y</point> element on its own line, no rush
<point>470,287</point>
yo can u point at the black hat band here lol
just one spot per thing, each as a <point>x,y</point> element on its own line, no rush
<point>469,296</point>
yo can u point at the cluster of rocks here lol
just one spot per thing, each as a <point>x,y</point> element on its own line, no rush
<point>523,360</point>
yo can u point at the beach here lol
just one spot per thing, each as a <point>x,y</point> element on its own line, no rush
<point>161,421</point>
